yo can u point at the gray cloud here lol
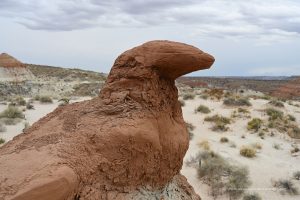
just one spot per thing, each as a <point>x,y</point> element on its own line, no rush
<point>267,20</point>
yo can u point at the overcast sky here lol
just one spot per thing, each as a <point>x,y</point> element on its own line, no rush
<point>253,37</point>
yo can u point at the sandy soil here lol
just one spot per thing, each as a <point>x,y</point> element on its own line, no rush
<point>31,116</point>
<point>269,164</point>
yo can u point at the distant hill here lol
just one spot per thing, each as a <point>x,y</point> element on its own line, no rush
<point>12,70</point>
<point>290,90</point>
<point>17,78</point>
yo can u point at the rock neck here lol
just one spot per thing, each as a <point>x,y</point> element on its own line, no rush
<point>144,87</point>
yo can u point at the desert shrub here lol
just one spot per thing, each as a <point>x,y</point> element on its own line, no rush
<point>276,103</point>
<point>293,131</point>
<point>217,118</point>
<point>204,96</point>
<point>204,145</point>
<point>2,128</point>
<point>243,110</point>
<point>220,122</point>
<point>45,99</point>
<point>276,146</point>
<point>190,127</point>
<point>188,96</point>
<point>219,127</point>
<point>238,180</point>
<point>26,126</point>
<point>255,124</point>
<point>29,106</point>
<point>36,97</point>
<point>12,112</point>
<point>286,186</point>
<point>202,109</point>
<point>20,101</point>
<point>221,176</point>
<point>64,101</point>
<point>10,121</point>
<point>214,93</point>
<point>248,152</point>
<point>291,118</point>
<point>296,175</point>
<point>224,140</point>
<point>274,114</point>
<point>237,102</point>
<point>2,141</point>
<point>182,103</point>
<point>253,196</point>
<point>295,150</point>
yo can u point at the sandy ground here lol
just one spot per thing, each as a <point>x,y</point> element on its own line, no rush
<point>269,164</point>
<point>31,116</point>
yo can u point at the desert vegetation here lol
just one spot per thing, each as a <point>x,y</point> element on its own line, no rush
<point>286,186</point>
<point>248,151</point>
<point>12,115</point>
<point>253,196</point>
<point>202,109</point>
<point>190,127</point>
<point>219,122</point>
<point>237,102</point>
<point>221,176</point>
<point>188,96</point>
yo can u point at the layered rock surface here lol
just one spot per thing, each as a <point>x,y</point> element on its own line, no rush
<point>13,70</point>
<point>291,90</point>
<point>128,143</point>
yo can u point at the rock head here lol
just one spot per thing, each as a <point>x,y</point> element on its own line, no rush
<point>127,143</point>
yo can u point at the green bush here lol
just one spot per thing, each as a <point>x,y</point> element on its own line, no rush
<point>218,118</point>
<point>224,140</point>
<point>274,114</point>
<point>45,99</point>
<point>2,141</point>
<point>276,103</point>
<point>12,112</point>
<point>255,124</point>
<point>220,122</point>
<point>248,152</point>
<point>253,196</point>
<point>203,109</point>
<point>237,102</point>
<point>188,96</point>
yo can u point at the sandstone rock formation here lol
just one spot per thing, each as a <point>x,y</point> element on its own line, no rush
<point>12,70</point>
<point>128,143</point>
<point>291,90</point>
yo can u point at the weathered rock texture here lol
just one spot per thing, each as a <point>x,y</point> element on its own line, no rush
<point>291,90</point>
<point>13,70</point>
<point>128,143</point>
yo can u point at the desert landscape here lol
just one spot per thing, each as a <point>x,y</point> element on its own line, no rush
<point>244,143</point>
<point>149,100</point>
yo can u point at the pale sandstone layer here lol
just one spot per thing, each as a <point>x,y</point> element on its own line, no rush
<point>129,140</point>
